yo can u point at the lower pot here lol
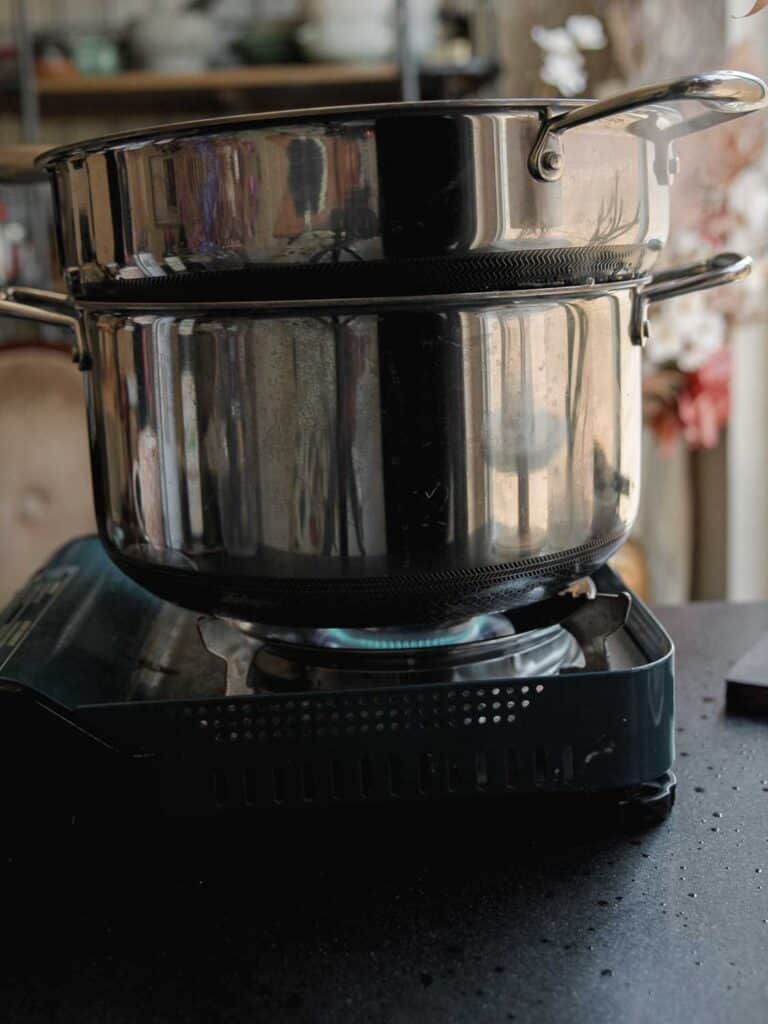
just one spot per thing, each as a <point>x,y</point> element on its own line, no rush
<point>368,463</point>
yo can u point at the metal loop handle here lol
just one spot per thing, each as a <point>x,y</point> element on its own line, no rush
<point>724,268</point>
<point>45,307</point>
<point>730,94</point>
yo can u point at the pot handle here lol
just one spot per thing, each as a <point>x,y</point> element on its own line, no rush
<point>725,268</point>
<point>46,308</point>
<point>727,93</point>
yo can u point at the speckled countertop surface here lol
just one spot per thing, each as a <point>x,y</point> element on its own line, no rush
<point>477,917</point>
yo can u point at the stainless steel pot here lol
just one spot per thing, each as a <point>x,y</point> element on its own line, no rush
<point>399,199</point>
<point>367,463</point>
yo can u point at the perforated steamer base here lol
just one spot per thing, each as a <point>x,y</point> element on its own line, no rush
<point>72,677</point>
<point>442,596</point>
<point>356,278</point>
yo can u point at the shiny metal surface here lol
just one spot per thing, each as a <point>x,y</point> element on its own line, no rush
<point>725,94</point>
<point>44,307</point>
<point>394,183</point>
<point>394,186</point>
<point>354,446</point>
<point>402,463</point>
<point>725,268</point>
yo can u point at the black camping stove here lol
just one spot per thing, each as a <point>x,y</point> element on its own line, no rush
<point>116,699</point>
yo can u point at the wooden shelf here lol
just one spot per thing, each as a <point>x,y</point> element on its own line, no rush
<point>99,103</point>
<point>264,76</point>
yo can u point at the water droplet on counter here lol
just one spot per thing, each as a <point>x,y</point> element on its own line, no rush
<point>717,814</point>
<point>606,972</point>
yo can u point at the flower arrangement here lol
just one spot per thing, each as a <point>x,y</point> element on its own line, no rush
<point>720,203</point>
<point>563,65</point>
<point>723,205</point>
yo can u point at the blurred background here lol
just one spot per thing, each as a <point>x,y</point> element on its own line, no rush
<point>72,69</point>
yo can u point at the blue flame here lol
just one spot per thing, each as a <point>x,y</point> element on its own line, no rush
<point>416,638</point>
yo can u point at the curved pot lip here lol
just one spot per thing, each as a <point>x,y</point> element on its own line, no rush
<point>370,304</point>
<point>337,115</point>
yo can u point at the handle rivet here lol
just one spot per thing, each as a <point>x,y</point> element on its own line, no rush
<point>552,161</point>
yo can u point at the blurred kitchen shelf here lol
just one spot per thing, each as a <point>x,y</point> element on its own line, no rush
<point>261,76</point>
<point>231,90</point>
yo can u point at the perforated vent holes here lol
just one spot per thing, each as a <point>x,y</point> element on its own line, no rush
<point>265,719</point>
<point>365,747</point>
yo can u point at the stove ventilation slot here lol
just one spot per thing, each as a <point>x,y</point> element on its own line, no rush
<point>385,775</point>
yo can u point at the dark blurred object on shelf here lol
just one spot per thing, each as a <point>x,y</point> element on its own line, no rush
<point>25,237</point>
<point>52,55</point>
<point>26,232</point>
<point>467,33</point>
<point>8,69</point>
<point>268,42</point>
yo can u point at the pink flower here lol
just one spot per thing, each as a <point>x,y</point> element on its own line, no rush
<point>704,402</point>
<point>694,404</point>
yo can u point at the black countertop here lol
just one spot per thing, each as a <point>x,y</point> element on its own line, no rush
<point>474,917</point>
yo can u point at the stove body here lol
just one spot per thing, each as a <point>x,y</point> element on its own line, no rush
<point>114,699</point>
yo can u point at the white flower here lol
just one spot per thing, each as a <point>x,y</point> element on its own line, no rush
<point>689,244</point>
<point>553,40</point>
<point>750,302</point>
<point>663,342</point>
<point>566,73</point>
<point>587,31</point>
<point>686,331</point>
<point>748,199</point>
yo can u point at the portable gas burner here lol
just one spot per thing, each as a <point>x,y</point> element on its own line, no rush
<point>115,695</point>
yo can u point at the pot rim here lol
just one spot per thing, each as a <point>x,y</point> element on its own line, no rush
<point>211,125</point>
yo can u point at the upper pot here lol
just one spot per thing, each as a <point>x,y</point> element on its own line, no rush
<point>396,199</point>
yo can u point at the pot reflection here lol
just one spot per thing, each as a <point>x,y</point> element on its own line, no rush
<point>355,446</point>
